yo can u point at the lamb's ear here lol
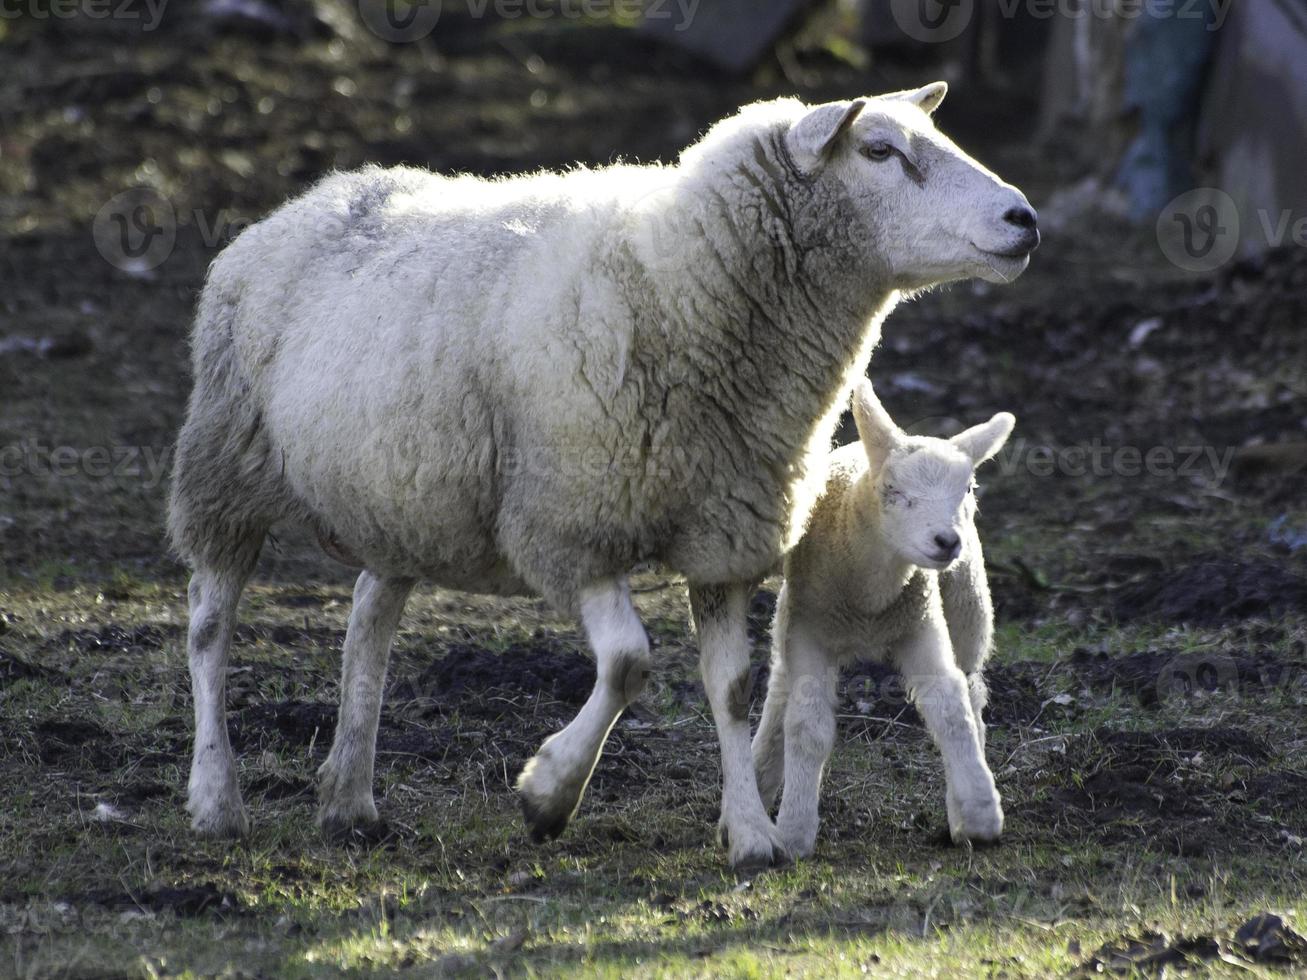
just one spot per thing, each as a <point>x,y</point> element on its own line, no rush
<point>927,98</point>
<point>811,139</point>
<point>980,442</point>
<point>876,429</point>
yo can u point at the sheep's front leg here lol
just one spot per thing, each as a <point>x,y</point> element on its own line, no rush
<point>809,738</point>
<point>720,620</point>
<point>940,691</point>
<point>345,779</point>
<point>553,782</point>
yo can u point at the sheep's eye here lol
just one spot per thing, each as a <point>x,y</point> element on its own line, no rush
<point>878,151</point>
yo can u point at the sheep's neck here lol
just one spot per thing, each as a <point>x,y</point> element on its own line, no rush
<point>789,327</point>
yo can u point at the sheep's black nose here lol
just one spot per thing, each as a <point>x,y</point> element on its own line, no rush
<point>949,544</point>
<point>1023,216</point>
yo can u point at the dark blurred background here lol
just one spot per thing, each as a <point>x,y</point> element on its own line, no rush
<point>233,104</point>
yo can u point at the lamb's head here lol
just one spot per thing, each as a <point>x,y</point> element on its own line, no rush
<point>931,213</point>
<point>921,486</point>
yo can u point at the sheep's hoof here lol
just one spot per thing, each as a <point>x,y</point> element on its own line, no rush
<point>341,832</point>
<point>753,848</point>
<point>799,844</point>
<point>543,820</point>
<point>345,803</point>
<point>777,857</point>
<point>225,822</point>
<point>978,822</point>
<point>337,818</point>
<point>548,801</point>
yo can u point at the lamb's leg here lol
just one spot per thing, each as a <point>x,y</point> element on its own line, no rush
<point>719,618</point>
<point>979,695</point>
<point>345,778</point>
<point>939,689</point>
<point>553,782</point>
<point>769,740</point>
<point>809,737</point>
<point>964,593</point>
<point>213,793</point>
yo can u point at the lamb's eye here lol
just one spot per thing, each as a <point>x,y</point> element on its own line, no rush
<point>896,497</point>
<point>878,151</point>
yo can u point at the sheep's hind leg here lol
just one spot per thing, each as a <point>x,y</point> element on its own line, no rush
<point>213,793</point>
<point>553,782</point>
<point>345,779</point>
<point>720,620</point>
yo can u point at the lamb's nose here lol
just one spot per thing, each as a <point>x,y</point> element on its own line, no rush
<point>1023,216</point>
<point>949,544</point>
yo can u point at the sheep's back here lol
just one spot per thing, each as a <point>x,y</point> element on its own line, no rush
<point>402,332</point>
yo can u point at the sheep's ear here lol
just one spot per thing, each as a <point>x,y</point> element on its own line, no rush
<point>980,442</point>
<point>876,429</point>
<point>811,139</point>
<point>927,98</point>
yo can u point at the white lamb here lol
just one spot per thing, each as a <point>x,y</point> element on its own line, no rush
<point>890,569</point>
<point>535,383</point>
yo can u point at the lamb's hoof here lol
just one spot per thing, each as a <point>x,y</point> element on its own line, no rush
<point>753,845</point>
<point>545,819</point>
<point>224,821</point>
<point>978,822</point>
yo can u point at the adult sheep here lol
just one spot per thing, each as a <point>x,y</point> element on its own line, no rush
<point>535,383</point>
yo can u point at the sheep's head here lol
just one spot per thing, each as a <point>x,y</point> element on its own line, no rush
<point>931,213</point>
<point>924,486</point>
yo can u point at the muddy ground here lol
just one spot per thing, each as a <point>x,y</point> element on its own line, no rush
<point>1147,712</point>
